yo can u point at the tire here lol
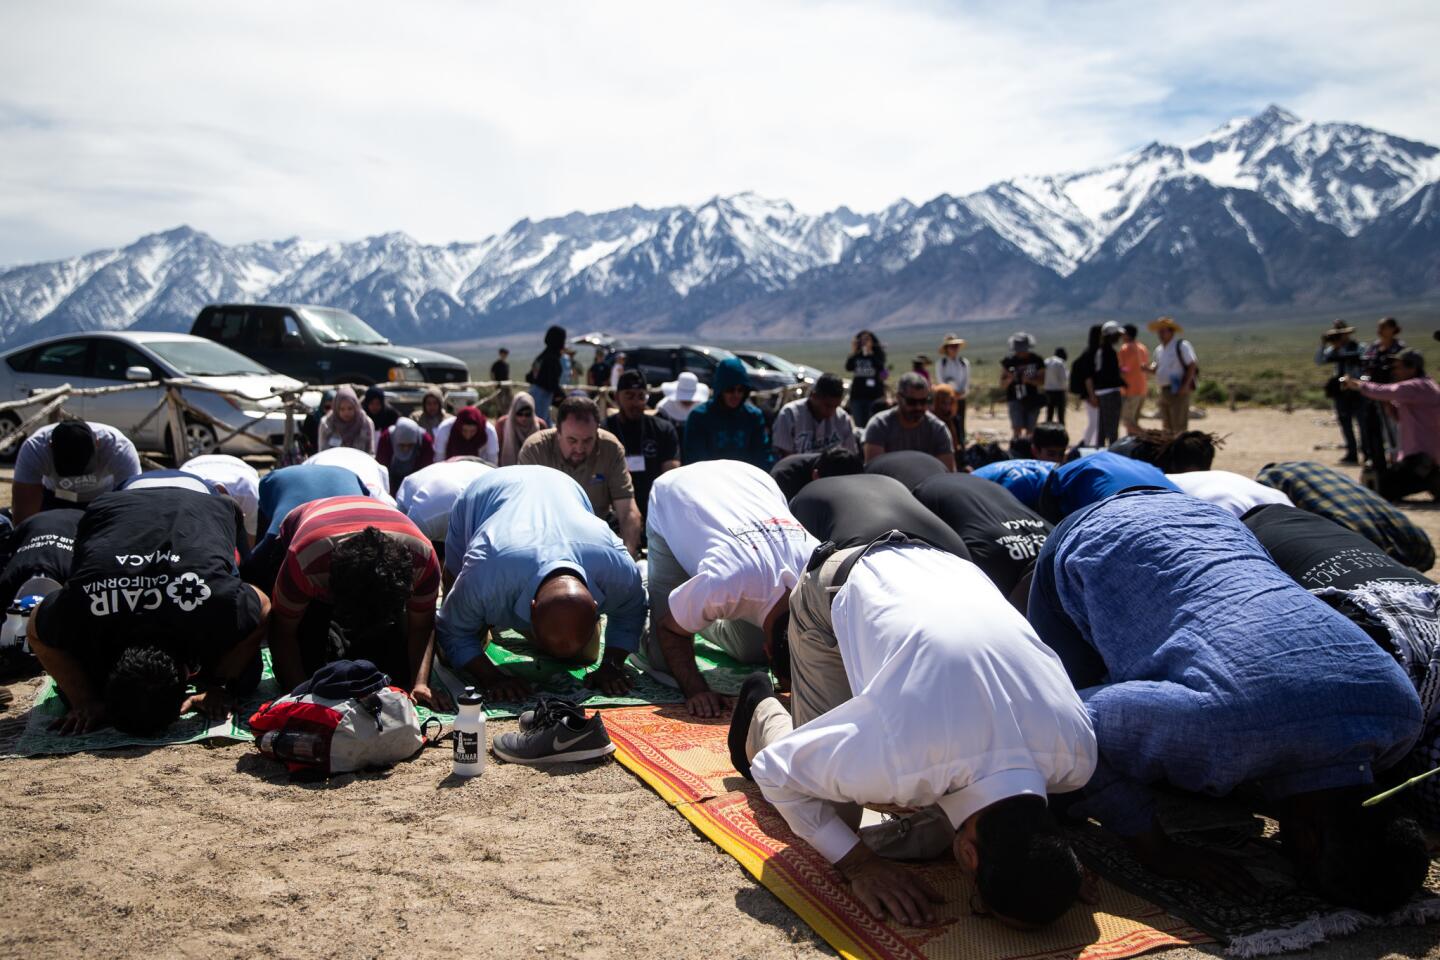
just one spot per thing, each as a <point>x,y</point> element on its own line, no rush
<point>200,439</point>
<point>8,422</point>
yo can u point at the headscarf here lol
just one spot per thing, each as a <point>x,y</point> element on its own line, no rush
<point>426,420</point>
<point>387,416</point>
<point>458,446</point>
<point>513,439</point>
<point>402,462</point>
<point>358,432</point>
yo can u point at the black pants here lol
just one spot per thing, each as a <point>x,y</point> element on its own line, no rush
<point>1417,473</point>
<point>1055,407</point>
<point>1347,410</point>
<point>1109,418</point>
<point>960,420</point>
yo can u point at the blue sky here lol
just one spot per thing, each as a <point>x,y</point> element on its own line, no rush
<point>451,120</point>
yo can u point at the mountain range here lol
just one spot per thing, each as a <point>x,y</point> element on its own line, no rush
<point>1264,211</point>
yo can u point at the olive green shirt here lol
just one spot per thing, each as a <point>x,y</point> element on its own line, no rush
<point>603,475</point>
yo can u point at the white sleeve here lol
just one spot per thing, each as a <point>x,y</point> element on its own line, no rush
<point>835,758</point>
<point>442,438</point>
<point>1187,354</point>
<point>701,600</point>
<point>125,462</point>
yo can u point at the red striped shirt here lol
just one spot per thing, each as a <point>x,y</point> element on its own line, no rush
<point>312,531</point>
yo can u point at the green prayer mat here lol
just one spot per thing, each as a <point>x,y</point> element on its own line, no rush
<point>514,654</point>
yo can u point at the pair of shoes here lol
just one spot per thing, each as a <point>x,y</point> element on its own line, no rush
<point>555,730</point>
<point>756,688</point>
<point>1351,461</point>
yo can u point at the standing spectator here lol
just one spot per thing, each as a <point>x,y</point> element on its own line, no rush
<point>1337,347</point>
<point>1057,378</point>
<point>310,426</point>
<point>1023,377</point>
<point>943,404</point>
<point>954,370</point>
<point>1080,373</point>
<point>616,369</point>
<point>516,426</point>
<point>727,427</point>
<point>866,365</point>
<point>815,423</point>
<point>1377,364</point>
<point>546,372</point>
<point>1104,385</point>
<point>599,373</point>
<point>70,463</point>
<point>500,369</point>
<point>921,365</point>
<point>1134,360</point>
<point>381,412</point>
<point>403,449</point>
<point>346,425</point>
<point>910,425</point>
<point>1176,368</point>
<point>593,458</point>
<point>1416,399</point>
<point>651,444</point>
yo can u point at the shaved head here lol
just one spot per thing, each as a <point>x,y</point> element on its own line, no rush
<point>563,615</point>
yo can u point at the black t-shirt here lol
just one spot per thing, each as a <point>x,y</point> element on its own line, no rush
<point>1004,535</point>
<point>1318,552</point>
<point>154,570</point>
<point>910,467</point>
<point>853,510</point>
<point>43,546</point>
<point>867,374</point>
<point>651,437</point>
<point>500,370</point>
<point>792,474</point>
<point>1026,367</point>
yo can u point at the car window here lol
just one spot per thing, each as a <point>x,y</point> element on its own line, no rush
<point>22,362</point>
<point>63,359</point>
<point>656,365</point>
<point>698,363</point>
<point>114,357</point>
<point>228,326</point>
<point>272,331</point>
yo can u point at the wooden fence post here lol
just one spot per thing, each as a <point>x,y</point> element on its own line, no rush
<point>179,442</point>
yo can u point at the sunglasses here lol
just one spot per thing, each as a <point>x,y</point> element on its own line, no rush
<point>915,401</point>
<point>524,414</point>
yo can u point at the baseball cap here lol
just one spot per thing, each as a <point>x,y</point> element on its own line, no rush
<point>631,380</point>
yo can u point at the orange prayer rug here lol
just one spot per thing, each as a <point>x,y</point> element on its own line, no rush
<point>687,762</point>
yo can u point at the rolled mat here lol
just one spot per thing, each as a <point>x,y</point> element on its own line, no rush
<point>687,762</point>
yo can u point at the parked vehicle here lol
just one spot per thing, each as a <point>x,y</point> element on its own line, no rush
<point>325,345</point>
<point>802,373</point>
<point>109,359</point>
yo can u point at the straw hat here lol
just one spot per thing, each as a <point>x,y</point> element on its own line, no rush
<point>952,341</point>
<point>1164,323</point>
<point>1340,326</point>
<point>686,388</point>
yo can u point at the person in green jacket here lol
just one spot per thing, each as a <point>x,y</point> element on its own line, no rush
<point>726,427</point>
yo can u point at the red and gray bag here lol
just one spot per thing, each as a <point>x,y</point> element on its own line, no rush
<point>347,717</point>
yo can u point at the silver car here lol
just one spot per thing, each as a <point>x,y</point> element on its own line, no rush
<point>109,359</point>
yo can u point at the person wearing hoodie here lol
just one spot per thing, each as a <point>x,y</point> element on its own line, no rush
<point>381,413</point>
<point>727,427</point>
<point>546,371</point>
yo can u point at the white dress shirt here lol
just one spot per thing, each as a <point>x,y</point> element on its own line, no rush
<point>428,495</point>
<point>1230,491</point>
<point>728,525</point>
<point>957,710</point>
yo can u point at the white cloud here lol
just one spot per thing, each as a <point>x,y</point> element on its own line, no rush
<point>450,120</point>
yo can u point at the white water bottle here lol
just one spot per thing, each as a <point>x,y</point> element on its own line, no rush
<point>470,735</point>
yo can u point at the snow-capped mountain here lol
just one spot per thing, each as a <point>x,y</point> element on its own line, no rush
<point>1266,209</point>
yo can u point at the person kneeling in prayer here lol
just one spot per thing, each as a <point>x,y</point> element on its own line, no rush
<point>918,688</point>
<point>529,555</point>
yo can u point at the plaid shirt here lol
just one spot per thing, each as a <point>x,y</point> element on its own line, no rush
<point>1331,494</point>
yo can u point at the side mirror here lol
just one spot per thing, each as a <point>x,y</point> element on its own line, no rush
<point>138,374</point>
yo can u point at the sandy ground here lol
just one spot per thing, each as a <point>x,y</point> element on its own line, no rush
<point>189,851</point>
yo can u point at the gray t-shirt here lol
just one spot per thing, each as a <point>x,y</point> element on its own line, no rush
<point>797,431</point>
<point>929,436</point>
<point>114,462</point>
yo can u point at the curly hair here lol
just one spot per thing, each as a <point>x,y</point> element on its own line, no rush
<point>1188,451</point>
<point>144,690</point>
<point>370,579</point>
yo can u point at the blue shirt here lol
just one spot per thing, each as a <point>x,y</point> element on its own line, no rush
<point>1088,480</point>
<point>283,490</point>
<point>1204,666</point>
<point>1023,478</point>
<point>511,529</point>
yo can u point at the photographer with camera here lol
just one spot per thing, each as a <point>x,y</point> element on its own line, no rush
<point>1337,346</point>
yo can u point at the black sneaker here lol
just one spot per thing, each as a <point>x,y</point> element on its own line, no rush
<point>558,733</point>
<point>547,703</point>
<point>756,687</point>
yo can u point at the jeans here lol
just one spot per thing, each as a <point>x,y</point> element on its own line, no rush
<point>542,398</point>
<point>1109,417</point>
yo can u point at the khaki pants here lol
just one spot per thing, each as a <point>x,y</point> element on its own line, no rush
<point>1130,412</point>
<point>1175,411</point>
<point>663,573</point>
<point>819,685</point>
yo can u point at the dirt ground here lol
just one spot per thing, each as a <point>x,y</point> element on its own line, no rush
<point>189,851</point>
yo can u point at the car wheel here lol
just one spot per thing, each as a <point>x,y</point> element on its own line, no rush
<point>199,439</point>
<point>9,423</point>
